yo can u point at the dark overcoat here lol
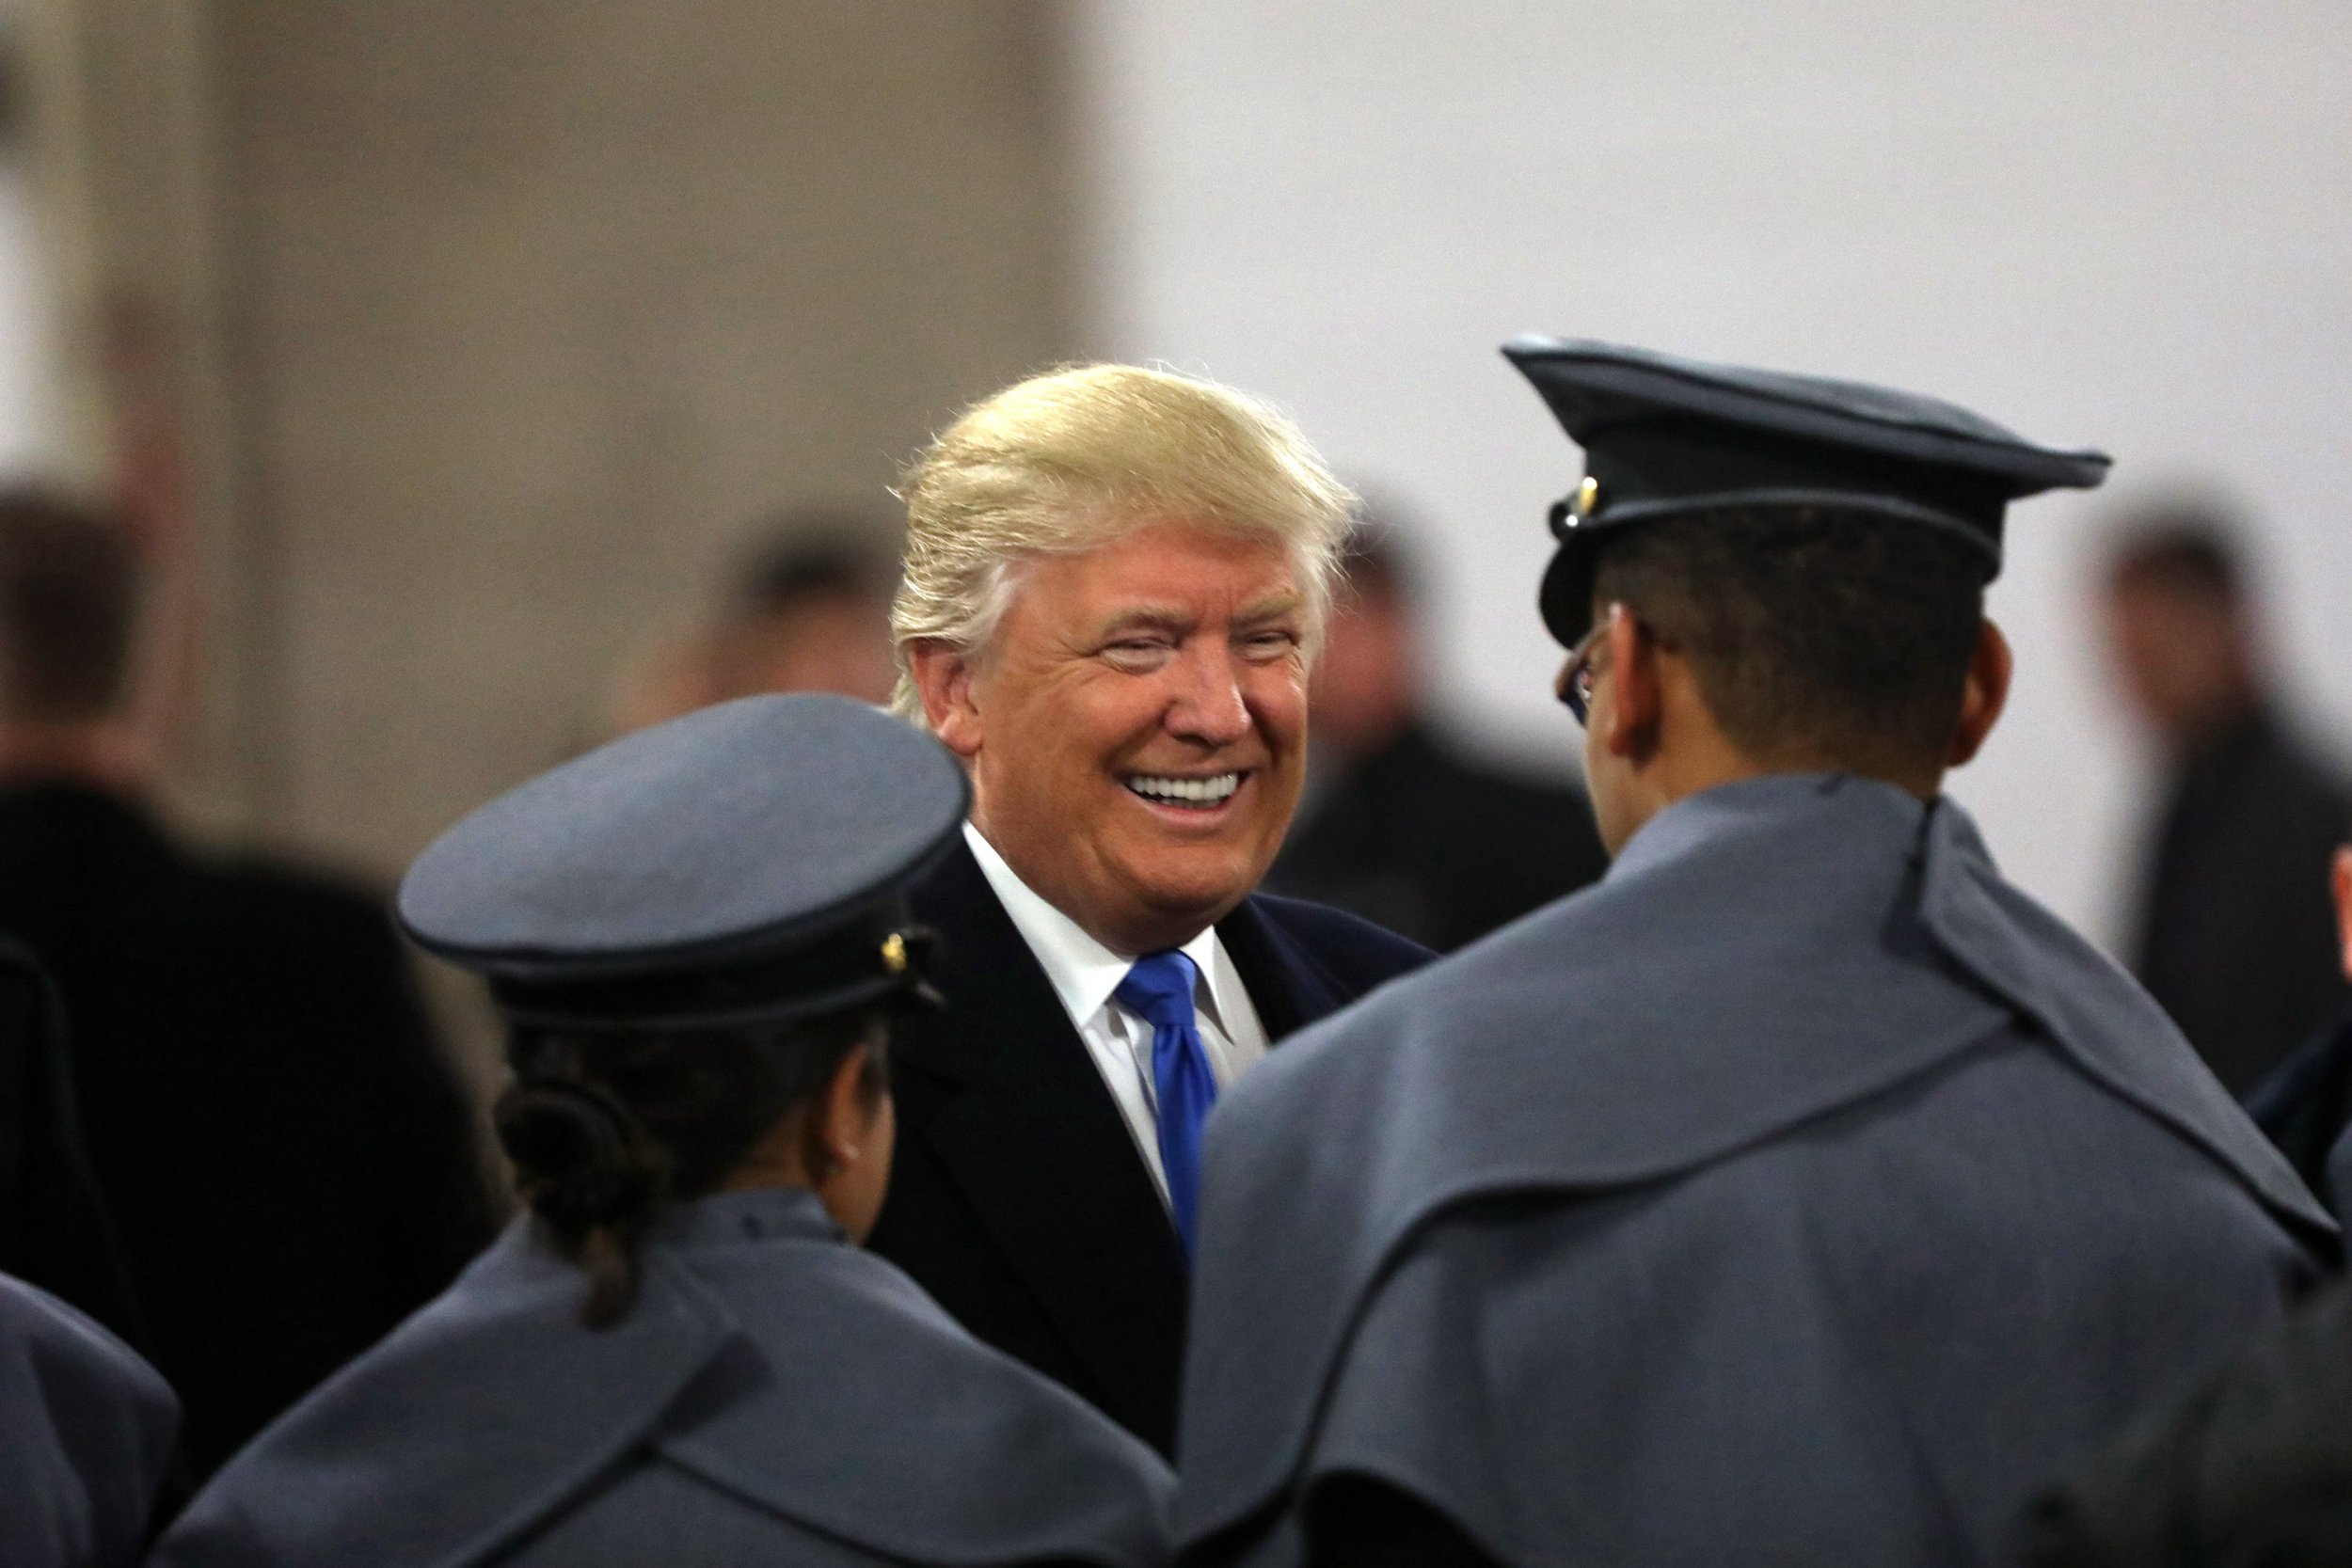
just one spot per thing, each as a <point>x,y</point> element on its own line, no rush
<point>2237,936</point>
<point>774,1396</point>
<point>54,1230</point>
<point>1803,1193</point>
<point>289,1163</point>
<point>1018,1198</point>
<point>86,1431</point>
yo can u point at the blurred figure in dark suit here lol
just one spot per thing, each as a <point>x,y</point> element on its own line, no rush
<point>289,1161</point>
<point>55,1231</point>
<point>1398,825</point>
<point>2235,936</point>
<point>2305,1103</point>
<point>805,607</point>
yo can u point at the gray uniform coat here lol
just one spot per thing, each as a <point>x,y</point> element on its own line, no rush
<point>775,1396</point>
<point>1803,1193</point>
<point>85,1432</point>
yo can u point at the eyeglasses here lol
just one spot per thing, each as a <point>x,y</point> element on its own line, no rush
<point>1581,671</point>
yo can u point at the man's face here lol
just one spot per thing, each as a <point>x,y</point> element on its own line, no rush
<point>1363,686</point>
<point>1136,729</point>
<point>2179,657</point>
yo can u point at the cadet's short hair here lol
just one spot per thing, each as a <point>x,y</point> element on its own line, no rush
<point>1074,459</point>
<point>69,603</point>
<point>1811,630</point>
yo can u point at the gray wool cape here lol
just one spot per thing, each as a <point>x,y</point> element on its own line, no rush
<point>1802,1194</point>
<point>774,1396</point>
<point>86,1431</point>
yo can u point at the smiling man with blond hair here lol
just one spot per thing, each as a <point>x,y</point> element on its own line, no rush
<point>1114,581</point>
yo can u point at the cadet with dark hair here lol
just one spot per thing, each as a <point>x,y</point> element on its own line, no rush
<point>1802,1194</point>
<point>678,1355</point>
<point>290,1163</point>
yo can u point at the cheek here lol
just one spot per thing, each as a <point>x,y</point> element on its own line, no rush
<point>1278,701</point>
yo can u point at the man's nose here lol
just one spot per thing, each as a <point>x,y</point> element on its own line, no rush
<point>1208,706</point>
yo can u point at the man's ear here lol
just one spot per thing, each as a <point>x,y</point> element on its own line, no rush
<point>943,678</point>
<point>1636,696</point>
<point>2343,880</point>
<point>1983,696</point>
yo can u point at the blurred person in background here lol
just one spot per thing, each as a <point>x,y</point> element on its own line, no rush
<point>2305,1103</point>
<point>2234,934</point>
<point>1397,825</point>
<point>681,1357</point>
<point>289,1161</point>
<point>85,1432</point>
<point>1114,584</point>
<point>805,608</point>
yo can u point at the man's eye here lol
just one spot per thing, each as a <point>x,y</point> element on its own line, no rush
<point>1138,653</point>
<point>1269,644</point>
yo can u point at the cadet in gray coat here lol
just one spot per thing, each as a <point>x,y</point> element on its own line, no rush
<point>678,1356</point>
<point>86,1431</point>
<point>1802,1194</point>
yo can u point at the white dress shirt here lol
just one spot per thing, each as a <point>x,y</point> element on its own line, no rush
<point>1084,973</point>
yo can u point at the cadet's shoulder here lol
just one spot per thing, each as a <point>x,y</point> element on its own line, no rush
<point>60,1341</point>
<point>69,1386</point>
<point>1530,969</point>
<point>830,1323</point>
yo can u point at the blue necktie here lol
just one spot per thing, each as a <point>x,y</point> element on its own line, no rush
<point>1159,991</point>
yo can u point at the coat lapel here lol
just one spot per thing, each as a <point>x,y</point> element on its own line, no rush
<point>1033,1141</point>
<point>1285,984</point>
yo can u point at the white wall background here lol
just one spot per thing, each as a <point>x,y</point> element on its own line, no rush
<point>2125,223</point>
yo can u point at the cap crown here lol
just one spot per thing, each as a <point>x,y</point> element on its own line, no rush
<point>1666,437</point>
<point>740,835</point>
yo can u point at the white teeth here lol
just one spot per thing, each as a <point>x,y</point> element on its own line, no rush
<point>1198,792</point>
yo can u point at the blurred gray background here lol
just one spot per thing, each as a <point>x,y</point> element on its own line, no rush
<point>469,334</point>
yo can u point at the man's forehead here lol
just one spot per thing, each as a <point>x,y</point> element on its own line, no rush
<point>1174,563</point>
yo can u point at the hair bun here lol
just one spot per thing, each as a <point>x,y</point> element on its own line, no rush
<point>577,1151</point>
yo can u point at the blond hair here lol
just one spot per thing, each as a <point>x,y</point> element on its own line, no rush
<point>1076,458</point>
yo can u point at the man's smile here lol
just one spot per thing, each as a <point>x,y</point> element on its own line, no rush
<point>1201,793</point>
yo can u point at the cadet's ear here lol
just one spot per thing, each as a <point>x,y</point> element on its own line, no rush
<point>2343,904</point>
<point>943,678</point>
<point>1984,695</point>
<point>1636,696</point>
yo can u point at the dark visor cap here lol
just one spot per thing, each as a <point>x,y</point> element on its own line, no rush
<point>1665,436</point>
<point>745,864</point>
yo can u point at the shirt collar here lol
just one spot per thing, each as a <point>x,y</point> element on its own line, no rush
<point>1081,970</point>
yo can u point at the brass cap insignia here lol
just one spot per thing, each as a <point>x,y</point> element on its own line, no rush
<point>1587,500</point>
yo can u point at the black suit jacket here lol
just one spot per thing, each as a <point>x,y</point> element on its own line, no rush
<point>288,1163</point>
<point>2238,936</point>
<point>55,1231</point>
<point>1018,1198</point>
